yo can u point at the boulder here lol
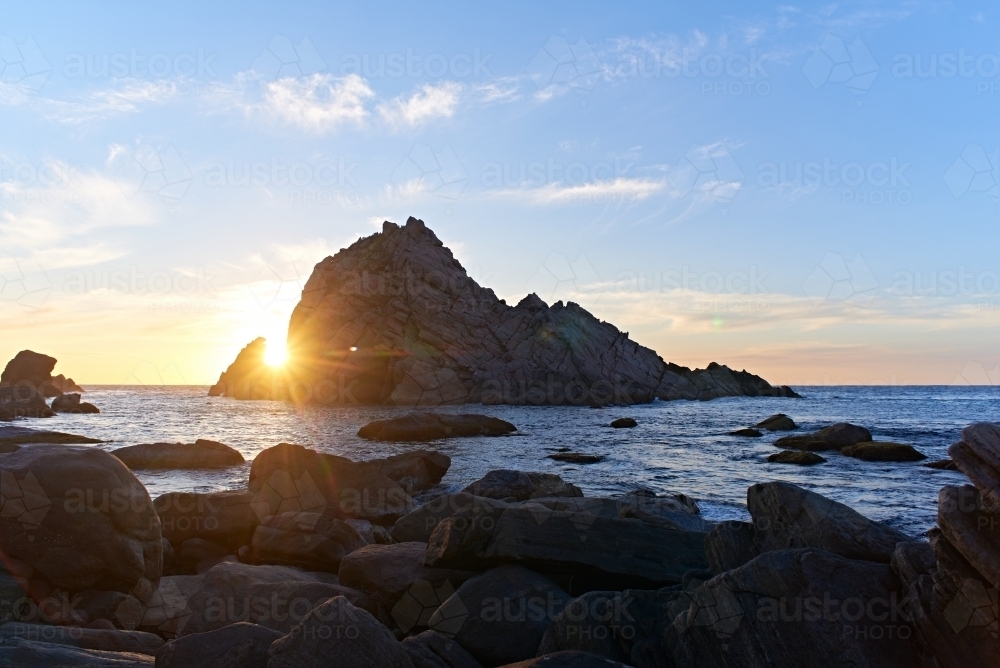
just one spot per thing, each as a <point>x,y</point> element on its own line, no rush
<point>70,403</point>
<point>977,455</point>
<point>878,451</point>
<point>239,645</point>
<point>396,578</point>
<point>293,478</point>
<point>396,320</point>
<point>569,542</point>
<point>109,641</point>
<point>121,610</point>
<point>520,486</point>
<point>972,528</point>
<point>583,625</point>
<point>80,518</point>
<point>434,426</point>
<point>750,433</point>
<point>730,545</point>
<point>338,631</point>
<point>20,401</point>
<point>624,423</point>
<point>226,518</point>
<point>941,465</point>
<point>419,524</point>
<point>415,471</point>
<point>65,385</point>
<point>800,457</point>
<point>21,653</point>
<point>834,437</point>
<point>277,597</point>
<point>501,615</point>
<point>313,541</point>
<point>787,516</point>
<point>430,649</point>
<point>567,659</point>
<point>777,422</point>
<point>795,608</point>
<point>202,454</point>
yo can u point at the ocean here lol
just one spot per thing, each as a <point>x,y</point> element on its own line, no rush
<point>679,446</point>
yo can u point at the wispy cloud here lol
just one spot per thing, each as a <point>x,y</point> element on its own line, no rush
<point>428,103</point>
<point>126,96</point>
<point>319,102</point>
<point>619,189</point>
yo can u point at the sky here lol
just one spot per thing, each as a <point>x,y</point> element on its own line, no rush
<point>807,191</point>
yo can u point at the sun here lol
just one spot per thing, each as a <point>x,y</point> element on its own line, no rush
<point>275,355</point>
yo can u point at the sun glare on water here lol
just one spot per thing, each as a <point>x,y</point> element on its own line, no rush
<point>275,355</point>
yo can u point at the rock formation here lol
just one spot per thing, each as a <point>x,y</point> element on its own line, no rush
<point>395,319</point>
<point>27,381</point>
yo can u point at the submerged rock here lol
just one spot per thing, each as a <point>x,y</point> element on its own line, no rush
<point>777,422</point>
<point>750,433</point>
<point>395,319</point>
<point>876,451</point>
<point>434,426</point>
<point>834,437</point>
<point>941,465</point>
<point>800,457</point>
<point>202,454</point>
<point>576,458</point>
<point>624,423</point>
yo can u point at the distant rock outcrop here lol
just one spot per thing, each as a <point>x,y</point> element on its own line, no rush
<point>27,381</point>
<point>395,319</point>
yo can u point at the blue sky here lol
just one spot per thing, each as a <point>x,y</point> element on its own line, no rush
<point>807,191</point>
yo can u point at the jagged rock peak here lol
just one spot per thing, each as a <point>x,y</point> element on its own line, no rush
<point>396,319</point>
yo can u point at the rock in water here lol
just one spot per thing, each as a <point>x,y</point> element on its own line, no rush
<point>202,454</point>
<point>750,433</point>
<point>80,518</point>
<point>624,423</point>
<point>777,422</point>
<point>433,426</point>
<point>800,457</point>
<point>29,368</point>
<point>10,435</point>
<point>875,451</point>
<point>395,319</point>
<point>834,437</point>
<point>787,516</point>
<point>70,403</point>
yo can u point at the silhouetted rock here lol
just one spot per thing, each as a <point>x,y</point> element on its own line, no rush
<point>787,516</point>
<point>202,454</point>
<point>395,319</point>
<point>474,615</point>
<point>729,545</point>
<point>834,437</point>
<point>430,649</point>
<point>434,426</point>
<point>70,403</point>
<point>800,457</point>
<point>777,422</point>
<point>239,645</point>
<point>31,369</point>
<point>336,631</point>
<point>65,385</point>
<point>624,423</point>
<point>750,433</point>
<point>877,451</point>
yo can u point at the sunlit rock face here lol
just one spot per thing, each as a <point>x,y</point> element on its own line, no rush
<point>395,319</point>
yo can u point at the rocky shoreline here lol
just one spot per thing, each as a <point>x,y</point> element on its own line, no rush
<point>396,320</point>
<point>370,562</point>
